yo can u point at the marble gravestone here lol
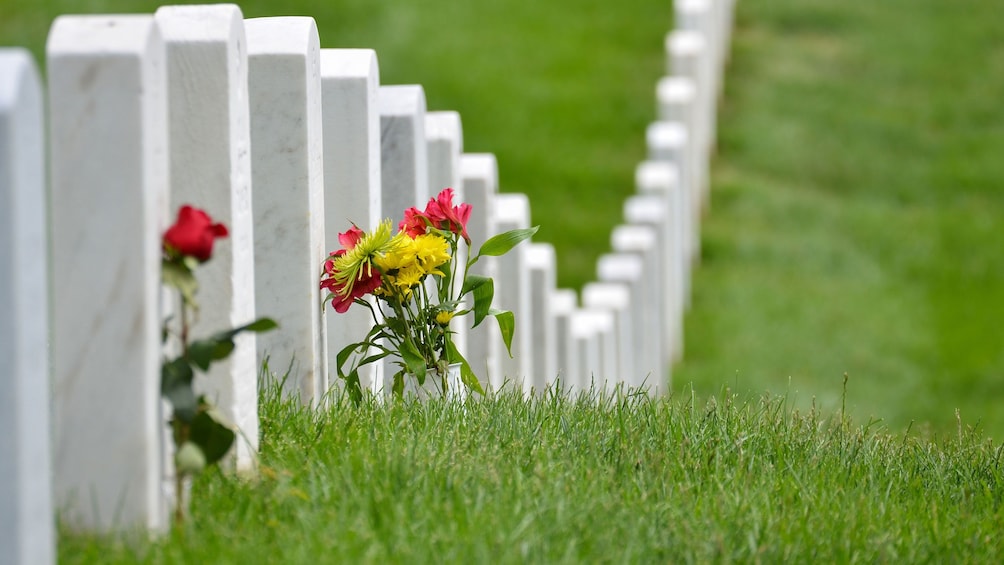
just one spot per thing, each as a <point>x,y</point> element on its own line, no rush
<point>287,159</point>
<point>27,521</point>
<point>108,112</point>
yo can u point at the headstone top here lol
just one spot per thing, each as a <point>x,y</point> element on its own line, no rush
<point>606,295</point>
<point>645,208</point>
<point>199,23</point>
<point>686,42</point>
<point>619,267</point>
<point>666,134</point>
<point>444,125</point>
<point>281,35</point>
<point>512,208</point>
<point>361,63</point>
<point>101,34</point>
<point>540,256</point>
<point>633,238</point>
<point>656,174</point>
<point>563,301</point>
<point>401,100</point>
<point>675,90</point>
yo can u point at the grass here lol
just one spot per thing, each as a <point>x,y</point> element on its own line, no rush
<point>554,479</point>
<point>855,212</point>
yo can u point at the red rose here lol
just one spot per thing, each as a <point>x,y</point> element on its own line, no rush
<point>193,234</point>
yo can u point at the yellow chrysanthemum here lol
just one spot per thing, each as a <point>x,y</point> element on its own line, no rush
<point>432,251</point>
<point>357,262</point>
<point>443,317</point>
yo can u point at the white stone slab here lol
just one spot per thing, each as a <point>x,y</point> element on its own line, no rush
<point>641,241</point>
<point>479,176</point>
<point>287,157</point>
<point>569,373</point>
<point>688,53</point>
<point>445,144</point>
<point>210,158</point>
<point>675,97</point>
<point>109,183</point>
<point>671,143</point>
<point>650,210</point>
<point>596,343</point>
<point>350,79</point>
<point>26,515</point>
<point>616,299</point>
<point>512,291</point>
<point>629,270</point>
<point>404,153</point>
<point>543,345</point>
<point>661,179</point>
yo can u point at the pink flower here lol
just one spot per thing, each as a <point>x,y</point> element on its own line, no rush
<point>193,234</point>
<point>367,283</point>
<point>413,223</point>
<point>445,216</point>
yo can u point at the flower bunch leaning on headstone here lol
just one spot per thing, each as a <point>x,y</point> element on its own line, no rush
<point>201,435</point>
<point>411,321</point>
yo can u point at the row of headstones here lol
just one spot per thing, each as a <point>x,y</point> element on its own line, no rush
<point>198,105</point>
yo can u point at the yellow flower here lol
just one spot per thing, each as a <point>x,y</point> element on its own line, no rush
<point>432,250</point>
<point>444,317</point>
<point>400,256</point>
<point>357,263</point>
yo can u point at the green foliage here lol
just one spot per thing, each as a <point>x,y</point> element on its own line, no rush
<point>855,213</point>
<point>583,478</point>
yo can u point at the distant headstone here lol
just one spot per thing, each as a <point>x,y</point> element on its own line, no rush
<point>479,175</point>
<point>404,153</point>
<point>26,516</point>
<point>543,344</point>
<point>445,144</point>
<point>616,299</point>
<point>350,117</point>
<point>109,182</point>
<point>512,291</point>
<point>567,358</point>
<point>287,158</point>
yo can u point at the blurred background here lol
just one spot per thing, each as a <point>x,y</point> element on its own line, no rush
<point>856,210</point>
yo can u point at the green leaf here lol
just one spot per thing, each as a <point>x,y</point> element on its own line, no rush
<point>467,375</point>
<point>413,360</point>
<point>353,387</point>
<point>501,244</point>
<point>204,351</point>
<point>507,325</point>
<point>344,354</point>
<point>176,386</point>
<point>473,282</point>
<point>398,387</point>
<point>483,295</point>
<point>212,434</point>
<point>180,276</point>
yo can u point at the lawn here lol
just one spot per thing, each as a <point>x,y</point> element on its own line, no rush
<point>856,212</point>
<point>552,479</point>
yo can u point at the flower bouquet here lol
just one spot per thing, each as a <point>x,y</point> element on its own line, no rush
<point>411,318</point>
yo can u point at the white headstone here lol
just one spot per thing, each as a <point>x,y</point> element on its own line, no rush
<point>479,176</point>
<point>650,210</point>
<point>643,242</point>
<point>26,515</point>
<point>512,291</point>
<point>661,180</point>
<point>445,144</point>
<point>616,299</point>
<point>404,153</point>
<point>350,79</point>
<point>284,83</point>
<point>109,167</point>
<point>543,345</point>
<point>211,169</point>
<point>569,372</point>
<point>687,53</point>
<point>596,344</point>
<point>670,142</point>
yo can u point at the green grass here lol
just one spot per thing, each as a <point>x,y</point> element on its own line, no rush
<point>856,212</point>
<point>623,479</point>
